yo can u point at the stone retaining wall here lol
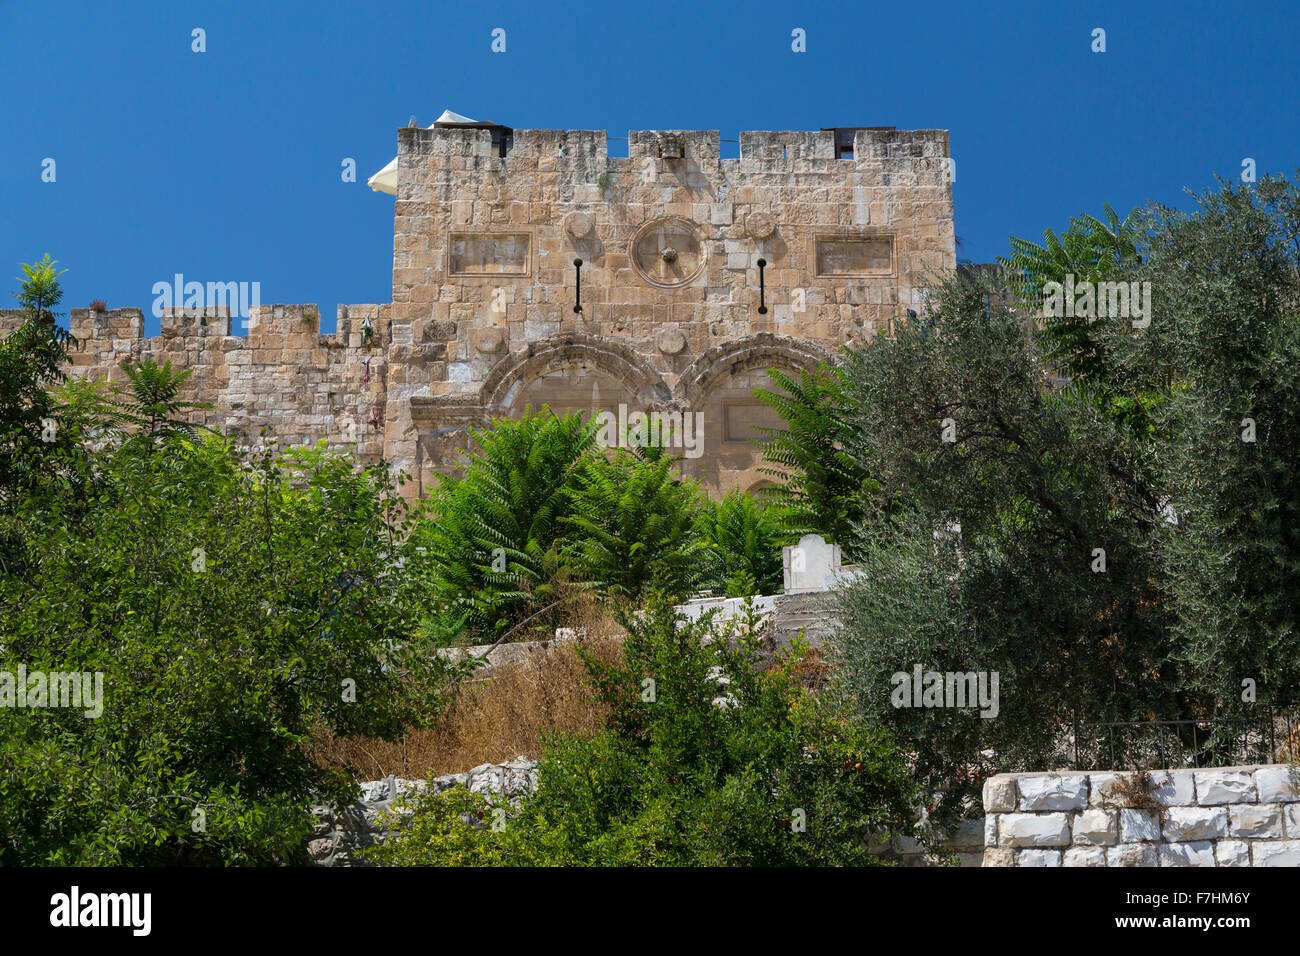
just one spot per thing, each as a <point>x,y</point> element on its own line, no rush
<point>1233,816</point>
<point>339,834</point>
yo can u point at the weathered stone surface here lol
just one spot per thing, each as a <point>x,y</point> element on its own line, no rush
<point>1217,787</point>
<point>578,225</point>
<point>1085,856</point>
<point>1260,821</point>
<point>670,341</point>
<point>490,340</point>
<point>1096,826</point>
<point>1207,817</point>
<point>1231,853</point>
<point>1101,787</point>
<point>468,225</point>
<point>1183,824</point>
<point>1138,825</point>
<point>338,835</point>
<point>1038,858</point>
<point>999,856</point>
<point>1275,853</point>
<point>1033,829</point>
<point>968,835</point>
<point>759,225</point>
<point>1053,792</point>
<point>1175,788</point>
<point>1278,784</point>
<point>1187,854</point>
<point>1132,854</point>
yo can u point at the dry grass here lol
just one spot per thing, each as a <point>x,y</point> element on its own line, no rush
<point>497,717</point>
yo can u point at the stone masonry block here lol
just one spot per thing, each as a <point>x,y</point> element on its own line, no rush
<point>1053,792</point>
<point>1034,829</point>
<point>1217,787</point>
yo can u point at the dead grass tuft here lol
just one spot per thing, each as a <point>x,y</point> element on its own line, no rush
<point>498,714</point>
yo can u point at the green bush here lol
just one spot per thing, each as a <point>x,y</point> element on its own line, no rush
<point>634,525</point>
<point>231,607</point>
<point>744,540</point>
<point>492,534</point>
<point>687,771</point>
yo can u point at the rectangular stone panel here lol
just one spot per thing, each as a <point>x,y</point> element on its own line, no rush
<point>742,421</point>
<point>489,253</point>
<point>855,256</point>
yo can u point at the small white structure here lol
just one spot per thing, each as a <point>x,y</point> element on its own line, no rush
<point>813,565</point>
<point>385,181</point>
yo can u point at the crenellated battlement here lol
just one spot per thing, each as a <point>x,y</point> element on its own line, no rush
<point>697,275</point>
<point>581,155</point>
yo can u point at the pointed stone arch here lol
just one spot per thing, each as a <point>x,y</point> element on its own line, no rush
<point>612,358</point>
<point>759,351</point>
<point>718,388</point>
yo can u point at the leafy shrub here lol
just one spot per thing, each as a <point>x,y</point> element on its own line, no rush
<point>744,541</point>
<point>230,607</point>
<point>492,534</point>
<point>633,525</point>
<point>686,771</point>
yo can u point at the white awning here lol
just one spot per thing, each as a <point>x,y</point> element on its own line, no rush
<point>385,181</point>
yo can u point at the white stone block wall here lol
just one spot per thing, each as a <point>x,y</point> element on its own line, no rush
<point>339,834</point>
<point>1232,816</point>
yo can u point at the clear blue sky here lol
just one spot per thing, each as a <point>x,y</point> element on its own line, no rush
<point>225,165</point>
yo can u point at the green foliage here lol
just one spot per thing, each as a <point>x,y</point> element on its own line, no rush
<point>985,563</point>
<point>1223,347</point>
<point>226,604</point>
<point>540,511</point>
<point>1092,251</point>
<point>820,479</point>
<point>493,534</point>
<point>151,401</point>
<point>41,290</point>
<point>31,360</point>
<point>688,771</point>
<point>1198,526</point>
<point>744,545</point>
<point>634,525</point>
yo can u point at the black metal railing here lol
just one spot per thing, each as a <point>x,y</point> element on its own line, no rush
<point>1271,737</point>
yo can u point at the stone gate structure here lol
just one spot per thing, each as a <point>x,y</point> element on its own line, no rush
<point>676,313</point>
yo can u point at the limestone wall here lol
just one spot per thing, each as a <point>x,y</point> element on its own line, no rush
<point>282,373</point>
<point>482,321</point>
<point>483,265</point>
<point>1235,816</point>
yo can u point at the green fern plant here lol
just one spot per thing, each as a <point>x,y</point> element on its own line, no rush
<point>634,526</point>
<point>1092,251</point>
<point>491,535</point>
<point>744,540</point>
<point>819,480</point>
<point>151,401</point>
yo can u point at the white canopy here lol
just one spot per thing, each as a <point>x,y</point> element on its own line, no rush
<point>385,181</point>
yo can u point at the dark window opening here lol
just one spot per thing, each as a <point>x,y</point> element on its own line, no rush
<point>844,138</point>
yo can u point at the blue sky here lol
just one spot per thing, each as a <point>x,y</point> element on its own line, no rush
<point>225,165</point>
